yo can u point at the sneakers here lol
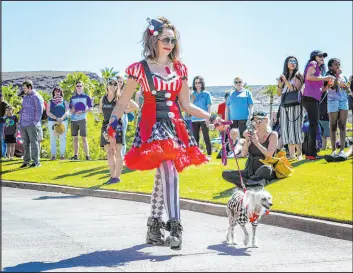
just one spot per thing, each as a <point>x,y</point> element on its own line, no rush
<point>88,157</point>
<point>24,165</point>
<point>74,157</point>
<point>341,156</point>
<point>35,165</point>
<point>53,157</point>
<point>112,180</point>
<point>62,157</point>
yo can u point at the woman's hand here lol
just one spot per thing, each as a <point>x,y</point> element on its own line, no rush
<point>247,135</point>
<point>59,120</point>
<point>255,139</point>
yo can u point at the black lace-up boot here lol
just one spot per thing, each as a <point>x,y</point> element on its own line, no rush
<point>175,228</point>
<point>155,231</point>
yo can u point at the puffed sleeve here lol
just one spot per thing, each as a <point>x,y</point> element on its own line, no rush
<point>183,71</point>
<point>134,71</point>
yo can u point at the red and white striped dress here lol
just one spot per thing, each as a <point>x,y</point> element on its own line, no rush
<point>158,140</point>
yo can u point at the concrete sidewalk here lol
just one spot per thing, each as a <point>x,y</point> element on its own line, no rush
<point>310,225</point>
<point>57,232</point>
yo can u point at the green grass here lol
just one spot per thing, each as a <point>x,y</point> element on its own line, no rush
<point>316,189</point>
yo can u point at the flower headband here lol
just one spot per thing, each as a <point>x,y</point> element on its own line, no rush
<point>154,26</point>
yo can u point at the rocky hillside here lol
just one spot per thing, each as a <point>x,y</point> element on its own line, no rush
<point>42,80</point>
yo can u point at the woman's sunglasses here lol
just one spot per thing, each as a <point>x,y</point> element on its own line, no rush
<point>292,61</point>
<point>237,82</point>
<point>259,121</point>
<point>113,83</point>
<point>167,40</point>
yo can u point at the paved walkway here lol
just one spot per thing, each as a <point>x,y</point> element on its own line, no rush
<point>44,231</point>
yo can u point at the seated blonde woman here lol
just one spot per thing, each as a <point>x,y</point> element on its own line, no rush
<point>260,142</point>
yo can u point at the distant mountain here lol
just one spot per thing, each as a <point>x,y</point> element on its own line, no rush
<point>42,80</point>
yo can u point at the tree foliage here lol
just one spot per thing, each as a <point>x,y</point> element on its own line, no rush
<point>10,95</point>
<point>108,73</point>
<point>68,84</point>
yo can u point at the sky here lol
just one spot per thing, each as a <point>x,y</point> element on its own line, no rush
<point>219,40</point>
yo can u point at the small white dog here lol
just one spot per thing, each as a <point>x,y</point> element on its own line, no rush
<point>247,207</point>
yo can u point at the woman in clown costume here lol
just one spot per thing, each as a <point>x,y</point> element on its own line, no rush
<point>163,140</point>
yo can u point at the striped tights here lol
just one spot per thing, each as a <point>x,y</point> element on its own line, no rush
<point>165,192</point>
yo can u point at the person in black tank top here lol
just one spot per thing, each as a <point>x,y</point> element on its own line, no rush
<point>260,144</point>
<point>106,106</point>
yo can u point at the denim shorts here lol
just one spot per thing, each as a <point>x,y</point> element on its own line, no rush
<point>335,105</point>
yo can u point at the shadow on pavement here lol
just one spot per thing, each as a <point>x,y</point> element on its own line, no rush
<point>107,258</point>
<point>225,249</point>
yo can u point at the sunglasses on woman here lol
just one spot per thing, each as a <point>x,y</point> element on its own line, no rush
<point>292,61</point>
<point>167,40</point>
<point>259,121</point>
<point>113,83</point>
<point>237,82</point>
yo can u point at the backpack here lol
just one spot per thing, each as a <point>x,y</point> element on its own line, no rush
<point>280,164</point>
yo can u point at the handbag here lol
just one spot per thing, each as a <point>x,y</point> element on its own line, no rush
<point>292,98</point>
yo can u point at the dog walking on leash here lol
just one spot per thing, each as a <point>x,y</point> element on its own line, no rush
<point>245,205</point>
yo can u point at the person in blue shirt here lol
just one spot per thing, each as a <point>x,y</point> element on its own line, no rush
<point>80,104</point>
<point>201,98</point>
<point>239,106</point>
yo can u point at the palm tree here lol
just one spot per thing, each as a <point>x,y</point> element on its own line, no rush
<point>270,91</point>
<point>108,73</point>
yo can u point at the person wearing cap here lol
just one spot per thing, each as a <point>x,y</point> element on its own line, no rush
<point>30,124</point>
<point>58,112</point>
<point>260,143</point>
<point>3,105</point>
<point>106,106</point>
<point>314,77</point>
<point>80,104</point>
<point>239,105</point>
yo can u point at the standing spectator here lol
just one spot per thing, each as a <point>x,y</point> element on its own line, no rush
<point>222,107</point>
<point>291,116</point>
<point>106,106</point>
<point>337,105</point>
<point>239,106</point>
<point>3,105</point>
<point>57,111</point>
<point>80,104</point>
<point>202,99</point>
<point>10,129</point>
<point>30,124</point>
<point>314,86</point>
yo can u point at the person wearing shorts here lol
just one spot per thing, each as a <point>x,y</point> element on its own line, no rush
<point>10,129</point>
<point>337,105</point>
<point>80,104</point>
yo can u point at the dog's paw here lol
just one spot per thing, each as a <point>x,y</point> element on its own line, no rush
<point>246,240</point>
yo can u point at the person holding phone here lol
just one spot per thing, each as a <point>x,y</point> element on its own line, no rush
<point>314,77</point>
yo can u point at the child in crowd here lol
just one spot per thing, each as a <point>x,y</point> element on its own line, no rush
<point>10,129</point>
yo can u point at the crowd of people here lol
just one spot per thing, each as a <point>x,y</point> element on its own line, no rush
<point>171,116</point>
